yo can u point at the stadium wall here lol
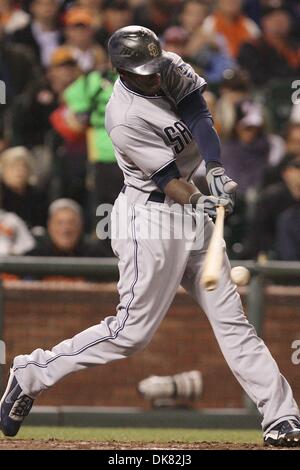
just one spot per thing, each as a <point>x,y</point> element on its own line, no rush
<point>40,314</point>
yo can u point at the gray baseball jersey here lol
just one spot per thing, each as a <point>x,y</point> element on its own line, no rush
<point>146,131</point>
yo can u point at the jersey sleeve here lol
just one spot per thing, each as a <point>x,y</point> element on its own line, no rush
<point>179,79</point>
<point>145,149</point>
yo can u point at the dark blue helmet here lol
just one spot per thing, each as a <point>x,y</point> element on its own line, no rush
<point>135,49</point>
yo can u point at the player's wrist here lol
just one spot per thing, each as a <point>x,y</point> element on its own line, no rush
<point>194,199</point>
<point>213,164</point>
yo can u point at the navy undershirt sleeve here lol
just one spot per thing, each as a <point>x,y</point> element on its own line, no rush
<point>162,177</point>
<point>194,112</point>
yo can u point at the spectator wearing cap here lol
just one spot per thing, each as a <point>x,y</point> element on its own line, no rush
<point>115,14</point>
<point>65,233</point>
<point>272,232</point>
<point>30,119</point>
<point>30,112</point>
<point>18,194</point>
<point>251,150</point>
<point>12,16</point>
<point>80,35</point>
<point>84,115</point>
<point>42,35</point>
<point>248,154</point>
<point>64,69</point>
<point>275,54</point>
<point>229,21</point>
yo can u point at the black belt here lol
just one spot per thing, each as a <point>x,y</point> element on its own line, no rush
<point>154,196</point>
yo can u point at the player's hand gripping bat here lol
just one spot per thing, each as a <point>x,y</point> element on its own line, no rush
<point>214,255</point>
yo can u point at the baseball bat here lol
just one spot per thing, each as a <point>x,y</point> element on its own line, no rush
<point>214,255</point>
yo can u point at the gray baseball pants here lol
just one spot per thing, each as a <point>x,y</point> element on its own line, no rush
<point>150,272</point>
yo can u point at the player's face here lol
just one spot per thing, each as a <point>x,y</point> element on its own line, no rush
<point>144,84</point>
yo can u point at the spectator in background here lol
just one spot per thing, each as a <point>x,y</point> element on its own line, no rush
<point>175,39</point>
<point>85,102</point>
<point>17,194</point>
<point>12,17</point>
<point>275,54</point>
<point>293,139</point>
<point>15,238</point>
<point>31,110</point>
<point>65,235</point>
<point>234,88</point>
<point>115,14</point>
<point>206,51</point>
<point>248,155</point>
<point>250,150</point>
<point>193,14</point>
<point>63,70</point>
<point>80,35</point>
<point>254,9</point>
<point>42,34</point>
<point>95,9</point>
<point>288,233</point>
<point>228,20</point>
<point>292,147</point>
<point>267,226</point>
<point>29,116</point>
<point>17,70</point>
<point>157,15</point>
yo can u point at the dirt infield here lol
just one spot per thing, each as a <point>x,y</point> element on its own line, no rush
<point>54,444</point>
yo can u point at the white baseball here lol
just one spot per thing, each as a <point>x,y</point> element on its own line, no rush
<point>240,275</point>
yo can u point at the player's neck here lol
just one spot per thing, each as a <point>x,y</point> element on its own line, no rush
<point>137,90</point>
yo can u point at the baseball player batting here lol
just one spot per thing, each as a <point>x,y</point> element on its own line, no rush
<point>161,129</point>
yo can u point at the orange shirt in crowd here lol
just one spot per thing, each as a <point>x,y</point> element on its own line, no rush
<point>236,31</point>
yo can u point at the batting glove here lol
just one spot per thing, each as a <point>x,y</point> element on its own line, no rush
<point>209,204</point>
<point>220,185</point>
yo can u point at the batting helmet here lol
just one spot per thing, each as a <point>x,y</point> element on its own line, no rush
<point>135,49</point>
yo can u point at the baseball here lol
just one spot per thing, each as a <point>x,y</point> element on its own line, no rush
<point>240,275</point>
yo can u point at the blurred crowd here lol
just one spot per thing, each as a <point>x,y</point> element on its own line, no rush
<point>56,161</point>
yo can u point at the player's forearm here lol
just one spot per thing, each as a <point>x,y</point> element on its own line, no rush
<point>194,112</point>
<point>180,191</point>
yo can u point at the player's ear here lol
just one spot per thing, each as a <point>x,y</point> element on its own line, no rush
<point>122,73</point>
